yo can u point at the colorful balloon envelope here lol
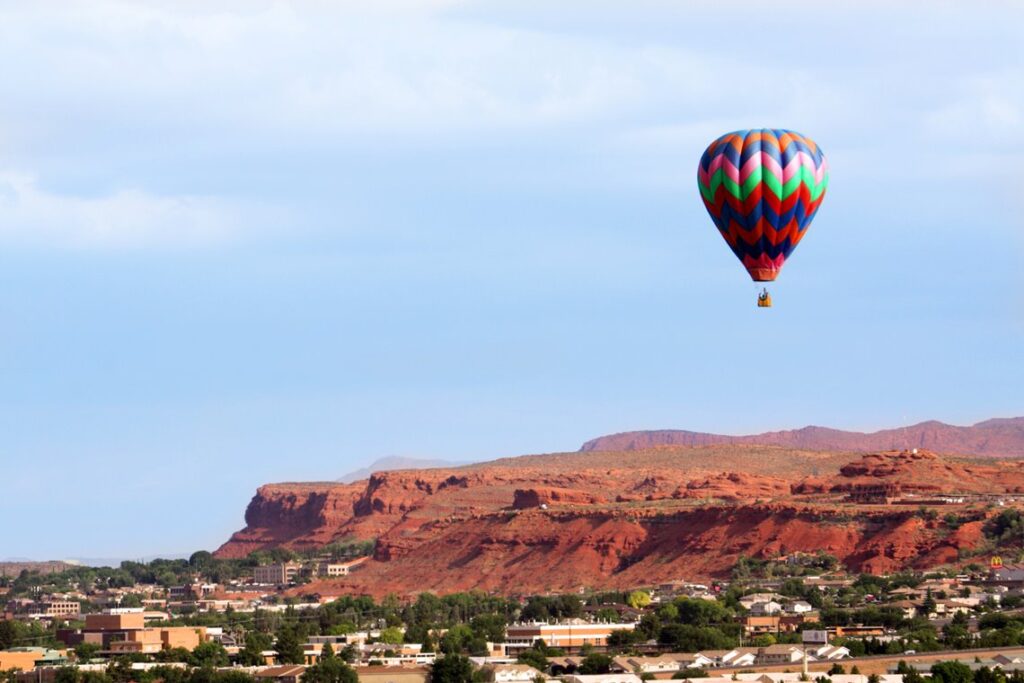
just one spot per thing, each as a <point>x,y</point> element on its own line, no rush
<point>762,188</point>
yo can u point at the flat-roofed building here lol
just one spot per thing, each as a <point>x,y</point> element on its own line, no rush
<point>393,674</point>
<point>26,658</point>
<point>115,620</point>
<point>276,574</point>
<point>60,608</point>
<point>571,635</point>
<point>334,569</point>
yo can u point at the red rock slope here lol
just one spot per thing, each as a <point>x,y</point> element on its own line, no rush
<point>598,519</point>
<point>999,438</point>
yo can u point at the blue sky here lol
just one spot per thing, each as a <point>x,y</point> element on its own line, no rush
<point>251,242</point>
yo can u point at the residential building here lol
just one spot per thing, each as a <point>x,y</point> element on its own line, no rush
<point>779,654</point>
<point>510,673</point>
<point>393,674</point>
<point>776,623</point>
<point>603,678</point>
<point>336,569</point>
<point>288,673</point>
<point>277,574</point>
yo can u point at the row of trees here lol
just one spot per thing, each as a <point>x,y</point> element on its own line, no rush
<point>165,572</point>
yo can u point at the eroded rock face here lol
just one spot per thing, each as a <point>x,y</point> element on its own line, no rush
<point>557,522</point>
<point>523,499</point>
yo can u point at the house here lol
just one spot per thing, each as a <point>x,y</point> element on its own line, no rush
<point>747,601</point>
<point>739,656</point>
<point>908,608</point>
<point>799,607</point>
<point>827,652</point>
<point>949,608</point>
<point>510,673</point>
<point>755,624</point>
<point>779,654</point>
<point>393,674</point>
<point>647,665</point>
<point>691,661</point>
<point>288,673</point>
<point>714,657</point>
<point>603,678</point>
<point>765,607</point>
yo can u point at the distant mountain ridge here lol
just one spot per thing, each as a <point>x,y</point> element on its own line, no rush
<point>395,462</point>
<point>996,438</point>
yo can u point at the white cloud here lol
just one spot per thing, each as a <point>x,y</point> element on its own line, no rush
<point>128,219</point>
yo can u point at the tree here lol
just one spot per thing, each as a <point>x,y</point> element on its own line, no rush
<point>836,670</point>
<point>66,674</point>
<point>175,654</point>
<point>534,658</point>
<point>596,663</point>
<point>489,627</point>
<point>451,668</point>
<point>698,612</point>
<point>686,638</point>
<point>910,675</point>
<point>952,672</point>
<point>8,634</point>
<point>289,649</point>
<point>327,652</point>
<point>457,639</point>
<point>928,605</point>
<point>255,644</point>
<point>391,636</point>
<point>86,651</point>
<point>638,599</point>
<point>120,670</point>
<point>987,675</point>
<point>330,670</point>
<point>211,653</point>
<point>201,560</point>
<point>621,638</point>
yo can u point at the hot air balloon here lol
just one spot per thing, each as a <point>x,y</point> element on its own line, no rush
<point>762,188</point>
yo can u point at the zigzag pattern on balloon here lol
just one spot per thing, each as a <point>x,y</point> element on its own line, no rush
<point>762,189</point>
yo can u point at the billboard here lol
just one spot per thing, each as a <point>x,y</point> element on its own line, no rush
<point>815,637</point>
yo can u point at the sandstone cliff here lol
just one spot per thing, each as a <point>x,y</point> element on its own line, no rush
<point>598,519</point>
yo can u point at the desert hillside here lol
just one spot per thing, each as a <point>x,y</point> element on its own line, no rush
<point>620,519</point>
<point>998,438</point>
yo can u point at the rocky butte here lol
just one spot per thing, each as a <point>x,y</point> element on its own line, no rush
<point>618,519</point>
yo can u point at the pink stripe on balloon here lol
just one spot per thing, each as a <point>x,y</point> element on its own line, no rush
<point>764,261</point>
<point>716,163</point>
<point>770,164</point>
<point>731,171</point>
<point>753,163</point>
